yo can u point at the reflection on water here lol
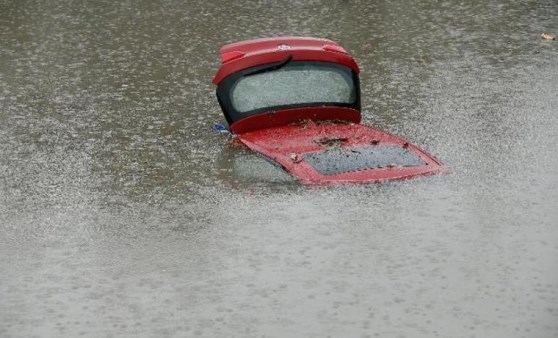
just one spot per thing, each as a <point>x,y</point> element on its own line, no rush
<point>118,215</point>
<point>240,167</point>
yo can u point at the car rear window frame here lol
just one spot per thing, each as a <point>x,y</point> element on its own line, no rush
<point>232,115</point>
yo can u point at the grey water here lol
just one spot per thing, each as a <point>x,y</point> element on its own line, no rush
<point>120,218</point>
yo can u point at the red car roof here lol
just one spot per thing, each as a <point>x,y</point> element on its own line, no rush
<point>328,153</point>
<point>245,54</point>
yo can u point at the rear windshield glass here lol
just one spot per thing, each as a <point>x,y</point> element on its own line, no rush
<point>295,83</point>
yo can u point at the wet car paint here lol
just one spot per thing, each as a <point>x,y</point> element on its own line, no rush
<point>291,145</point>
<point>287,131</point>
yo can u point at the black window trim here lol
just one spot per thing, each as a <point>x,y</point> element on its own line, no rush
<point>232,115</point>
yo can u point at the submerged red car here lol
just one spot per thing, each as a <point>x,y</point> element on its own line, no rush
<point>296,100</point>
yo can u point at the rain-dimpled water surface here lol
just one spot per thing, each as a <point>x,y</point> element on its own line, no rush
<point>123,214</point>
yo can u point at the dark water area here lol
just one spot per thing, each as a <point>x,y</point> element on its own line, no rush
<point>118,218</point>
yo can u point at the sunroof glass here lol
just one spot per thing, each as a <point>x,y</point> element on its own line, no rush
<point>342,160</point>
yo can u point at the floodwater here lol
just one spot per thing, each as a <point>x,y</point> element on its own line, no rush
<point>118,218</point>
